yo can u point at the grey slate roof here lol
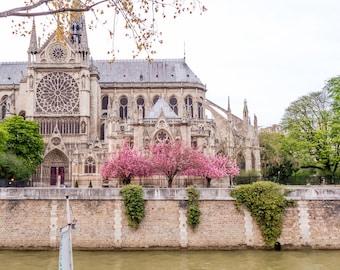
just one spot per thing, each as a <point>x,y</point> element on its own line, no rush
<point>11,73</point>
<point>120,71</point>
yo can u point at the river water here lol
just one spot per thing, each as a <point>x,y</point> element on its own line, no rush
<point>171,260</point>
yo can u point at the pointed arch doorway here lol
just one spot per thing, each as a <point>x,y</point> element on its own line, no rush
<point>55,168</point>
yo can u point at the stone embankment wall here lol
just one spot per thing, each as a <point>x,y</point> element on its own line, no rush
<point>31,218</point>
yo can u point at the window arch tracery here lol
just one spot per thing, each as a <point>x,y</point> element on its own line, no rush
<point>200,110</point>
<point>123,107</point>
<point>141,105</point>
<point>57,92</point>
<point>162,137</point>
<point>173,104</point>
<point>102,132</point>
<point>3,104</point>
<point>105,102</point>
<point>90,165</point>
<point>189,106</point>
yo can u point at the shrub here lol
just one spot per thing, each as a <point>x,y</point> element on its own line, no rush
<point>194,213</point>
<point>134,204</point>
<point>266,202</point>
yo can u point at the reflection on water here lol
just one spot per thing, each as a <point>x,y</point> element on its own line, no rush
<point>169,260</point>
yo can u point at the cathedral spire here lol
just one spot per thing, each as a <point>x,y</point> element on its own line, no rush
<point>83,42</point>
<point>33,47</point>
<point>229,109</point>
<point>78,34</point>
<point>255,122</point>
<point>245,111</point>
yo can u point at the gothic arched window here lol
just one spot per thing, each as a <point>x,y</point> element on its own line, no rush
<point>22,114</point>
<point>188,106</point>
<point>90,165</point>
<point>241,163</point>
<point>252,161</point>
<point>200,110</point>
<point>141,104</point>
<point>173,104</point>
<point>123,108</point>
<point>102,132</point>
<point>105,102</point>
<point>3,107</point>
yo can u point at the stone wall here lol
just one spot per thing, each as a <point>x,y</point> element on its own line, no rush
<point>31,218</point>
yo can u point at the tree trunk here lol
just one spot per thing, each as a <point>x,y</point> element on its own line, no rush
<point>126,181</point>
<point>208,181</point>
<point>170,179</point>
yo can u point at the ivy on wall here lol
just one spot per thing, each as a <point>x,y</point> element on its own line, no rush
<point>266,202</point>
<point>134,204</point>
<point>193,212</point>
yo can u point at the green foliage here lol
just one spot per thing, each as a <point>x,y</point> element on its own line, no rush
<point>134,204</point>
<point>276,163</point>
<point>312,129</point>
<point>3,139</point>
<point>194,213</point>
<point>14,167</point>
<point>24,139</point>
<point>76,185</point>
<point>249,173</point>
<point>266,203</point>
<point>90,184</point>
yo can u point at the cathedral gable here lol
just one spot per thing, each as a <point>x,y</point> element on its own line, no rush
<point>161,107</point>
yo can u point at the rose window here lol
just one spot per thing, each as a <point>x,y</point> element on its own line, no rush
<point>162,137</point>
<point>57,92</point>
<point>57,53</point>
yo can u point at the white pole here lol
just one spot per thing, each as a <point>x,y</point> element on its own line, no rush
<point>68,211</point>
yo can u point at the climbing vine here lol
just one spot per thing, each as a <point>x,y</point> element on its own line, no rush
<point>194,212</point>
<point>266,202</point>
<point>134,204</point>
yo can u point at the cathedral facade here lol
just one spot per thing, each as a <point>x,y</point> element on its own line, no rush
<point>87,108</point>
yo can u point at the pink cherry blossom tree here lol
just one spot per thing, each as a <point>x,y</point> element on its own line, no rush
<point>126,164</point>
<point>216,166</point>
<point>173,158</point>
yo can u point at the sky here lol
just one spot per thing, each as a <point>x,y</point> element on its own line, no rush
<point>267,52</point>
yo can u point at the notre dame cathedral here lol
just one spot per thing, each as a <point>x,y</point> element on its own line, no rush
<point>86,108</point>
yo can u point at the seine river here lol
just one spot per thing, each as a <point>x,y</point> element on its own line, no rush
<point>169,260</point>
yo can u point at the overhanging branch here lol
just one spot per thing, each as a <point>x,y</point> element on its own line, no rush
<point>25,11</point>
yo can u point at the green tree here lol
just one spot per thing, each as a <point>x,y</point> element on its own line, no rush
<point>276,163</point>
<point>333,88</point>
<point>311,138</point>
<point>24,140</point>
<point>3,139</point>
<point>13,167</point>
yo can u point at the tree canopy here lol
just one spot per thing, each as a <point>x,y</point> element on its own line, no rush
<point>169,159</point>
<point>24,140</point>
<point>214,166</point>
<point>126,164</point>
<point>140,17</point>
<point>3,139</point>
<point>13,167</point>
<point>311,137</point>
<point>276,163</point>
<point>173,158</point>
